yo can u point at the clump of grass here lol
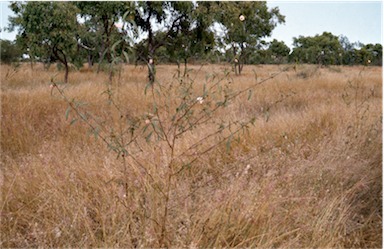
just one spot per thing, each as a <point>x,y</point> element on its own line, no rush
<point>308,71</point>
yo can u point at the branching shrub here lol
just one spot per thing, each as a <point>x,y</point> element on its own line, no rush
<point>177,114</point>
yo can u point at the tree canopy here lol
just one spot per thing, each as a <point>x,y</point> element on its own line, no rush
<point>10,52</point>
<point>328,49</point>
<point>245,24</point>
<point>47,30</point>
<point>169,31</point>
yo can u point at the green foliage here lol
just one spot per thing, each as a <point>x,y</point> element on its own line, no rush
<point>176,32</point>
<point>9,52</point>
<point>98,32</point>
<point>370,54</point>
<point>194,39</point>
<point>278,51</point>
<point>322,49</point>
<point>246,23</point>
<point>47,29</point>
<point>328,49</point>
<point>178,36</point>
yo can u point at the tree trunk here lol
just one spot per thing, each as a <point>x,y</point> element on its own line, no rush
<point>178,68</point>
<point>63,60</point>
<point>241,59</point>
<point>107,31</point>
<point>185,67</point>
<point>151,52</point>
<point>101,56</point>
<point>31,61</point>
<point>90,60</point>
<point>236,61</point>
<point>66,72</point>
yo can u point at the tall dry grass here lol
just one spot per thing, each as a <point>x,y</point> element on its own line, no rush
<point>308,174</point>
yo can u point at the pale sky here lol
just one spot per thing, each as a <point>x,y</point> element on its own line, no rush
<point>357,20</point>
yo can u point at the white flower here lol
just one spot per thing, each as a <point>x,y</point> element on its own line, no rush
<point>236,60</point>
<point>200,100</point>
<point>119,25</point>
<point>369,61</point>
<point>151,61</point>
<point>147,121</point>
<point>242,18</point>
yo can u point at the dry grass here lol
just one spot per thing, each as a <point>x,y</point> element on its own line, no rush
<point>308,174</point>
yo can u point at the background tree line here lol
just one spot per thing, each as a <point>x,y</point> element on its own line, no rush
<point>94,33</point>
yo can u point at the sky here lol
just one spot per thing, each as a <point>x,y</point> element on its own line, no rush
<point>357,20</point>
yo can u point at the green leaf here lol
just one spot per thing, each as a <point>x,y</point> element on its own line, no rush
<point>83,116</point>
<point>148,137</point>
<point>111,147</point>
<point>254,72</point>
<point>67,112</point>
<point>250,94</point>
<point>115,44</point>
<point>124,152</point>
<point>219,103</point>
<point>205,93</point>
<point>126,56</point>
<point>146,88</point>
<point>181,107</point>
<point>95,132</point>
<point>73,121</point>
<point>266,114</point>
<point>146,127</point>
<point>228,143</point>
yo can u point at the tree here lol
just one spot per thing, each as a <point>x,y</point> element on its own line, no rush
<point>9,52</point>
<point>324,49</point>
<point>370,54</point>
<point>193,39</point>
<point>278,50</point>
<point>99,25</point>
<point>245,24</point>
<point>377,51</point>
<point>47,29</point>
<point>148,15</point>
<point>348,53</point>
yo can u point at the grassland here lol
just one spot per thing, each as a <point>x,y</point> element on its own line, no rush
<point>308,173</point>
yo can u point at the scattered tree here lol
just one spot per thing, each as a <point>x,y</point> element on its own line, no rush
<point>47,29</point>
<point>194,38</point>
<point>9,52</point>
<point>246,23</point>
<point>175,17</point>
<point>322,49</point>
<point>277,51</point>
<point>100,19</point>
<point>82,31</point>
